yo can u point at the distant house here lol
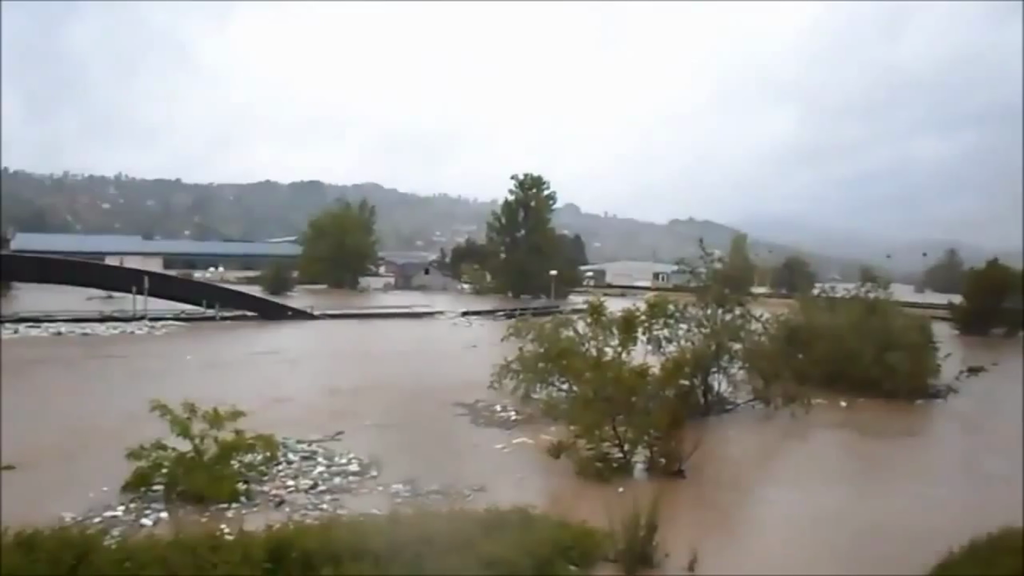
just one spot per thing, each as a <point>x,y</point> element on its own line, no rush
<point>416,271</point>
<point>626,273</point>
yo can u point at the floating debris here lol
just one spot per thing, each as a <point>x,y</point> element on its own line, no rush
<point>971,371</point>
<point>309,480</point>
<point>493,415</point>
<point>14,330</point>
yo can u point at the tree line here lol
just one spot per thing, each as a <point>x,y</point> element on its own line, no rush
<point>522,255</point>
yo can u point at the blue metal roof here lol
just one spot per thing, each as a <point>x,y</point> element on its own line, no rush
<point>136,245</point>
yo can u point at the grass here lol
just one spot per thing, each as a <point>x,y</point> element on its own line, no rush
<point>1000,552</point>
<point>635,538</point>
<point>493,541</point>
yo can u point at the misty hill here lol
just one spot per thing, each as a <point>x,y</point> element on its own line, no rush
<point>897,255</point>
<point>174,209</point>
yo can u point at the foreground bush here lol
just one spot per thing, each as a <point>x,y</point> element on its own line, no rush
<point>859,343</point>
<point>511,541</point>
<point>998,553</point>
<point>216,464</point>
<point>635,538</point>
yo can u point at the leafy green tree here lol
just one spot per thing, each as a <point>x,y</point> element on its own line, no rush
<point>859,343</point>
<point>737,273</point>
<point>339,245</point>
<point>626,382</point>
<point>215,466</point>
<point>467,255</point>
<point>277,279</point>
<point>793,276</point>
<point>991,300</point>
<point>947,275</point>
<point>576,248</point>
<point>524,243</point>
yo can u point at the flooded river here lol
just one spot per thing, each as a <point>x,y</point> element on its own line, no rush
<point>872,488</point>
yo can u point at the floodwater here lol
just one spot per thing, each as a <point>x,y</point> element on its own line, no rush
<point>873,488</point>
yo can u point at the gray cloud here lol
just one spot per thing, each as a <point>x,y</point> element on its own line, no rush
<point>901,119</point>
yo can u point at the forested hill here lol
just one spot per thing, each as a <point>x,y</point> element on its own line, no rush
<point>174,209</point>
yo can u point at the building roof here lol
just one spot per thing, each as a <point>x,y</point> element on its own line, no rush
<point>408,257</point>
<point>631,266</point>
<point>109,244</point>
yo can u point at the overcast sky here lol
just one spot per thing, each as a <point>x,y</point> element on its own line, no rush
<point>898,119</point>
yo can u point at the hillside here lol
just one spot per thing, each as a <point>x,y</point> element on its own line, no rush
<point>899,255</point>
<point>175,209</point>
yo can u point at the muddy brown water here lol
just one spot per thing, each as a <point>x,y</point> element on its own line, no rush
<point>872,488</point>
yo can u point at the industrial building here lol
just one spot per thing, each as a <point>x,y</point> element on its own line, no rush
<point>157,255</point>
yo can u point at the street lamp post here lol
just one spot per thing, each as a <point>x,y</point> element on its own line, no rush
<point>553,274</point>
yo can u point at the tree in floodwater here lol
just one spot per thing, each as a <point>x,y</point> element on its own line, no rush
<point>277,279</point>
<point>793,276</point>
<point>339,245</point>
<point>857,342</point>
<point>625,383</point>
<point>524,245</point>
<point>215,464</point>
<point>991,300</point>
<point>946,276</point>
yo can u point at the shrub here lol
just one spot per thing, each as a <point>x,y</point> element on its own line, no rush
<point>510,541</point>
<point>635,538</point>
<point>217,464</point>
<point>997,553</point>
<point>277,279</point>
<point>625,382</point>
<point>859,343</point>
<point>991,300</point>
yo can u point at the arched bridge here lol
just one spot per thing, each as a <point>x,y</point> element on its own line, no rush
<point>88,274</point>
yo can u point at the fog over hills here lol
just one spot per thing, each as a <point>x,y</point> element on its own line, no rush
<point>901,122</point>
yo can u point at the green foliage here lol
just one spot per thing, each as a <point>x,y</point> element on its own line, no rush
<point>859,343</point>
<point>575,249</point>
<point>468,255</point>
<point>737,274</point>
<point>947,275</point>
<point>635,538</point>
<point>625,382</point>
<point>494,541</point>
<point>998,553</point>
<point>793,276</point>
<point>277,279</point>
<point>214,467</point>
<point>523,244</point>
<point>991,300</point>
<point>339,245</point>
